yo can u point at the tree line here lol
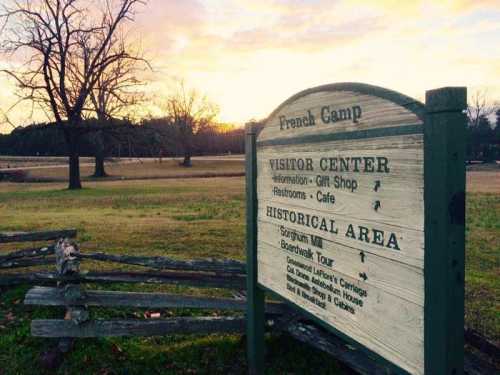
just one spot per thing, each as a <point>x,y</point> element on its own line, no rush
<point>164,137</point>
<point>156,137</point>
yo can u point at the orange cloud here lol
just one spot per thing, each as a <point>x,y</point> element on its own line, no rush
<point>248,56</point>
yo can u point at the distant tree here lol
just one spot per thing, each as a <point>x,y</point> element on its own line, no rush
<point>478,106</point>
<point>115,96</point>
<point>497,125</point>
<point>484,134</point>
<point>67,46</point>
<point>190,113</point>
<point>496,136</point>
<point>479,131</point>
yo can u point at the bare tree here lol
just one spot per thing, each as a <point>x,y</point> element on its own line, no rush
<point>189,112</point>
<point>479,107</point>
<point>480,133</point>
<point>66,46</point>
<point>115,96</point>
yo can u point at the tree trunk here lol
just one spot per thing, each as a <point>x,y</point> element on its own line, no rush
<point>187,152</point>
<point>74,170</point>
<point>187,161</point>
<point>99,170</point>
<point>74,159</point>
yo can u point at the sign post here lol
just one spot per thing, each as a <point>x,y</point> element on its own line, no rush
<point>444,133</point>
<point>255,295</point>
<point>355,217</point>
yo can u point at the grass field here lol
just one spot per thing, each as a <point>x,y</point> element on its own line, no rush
<point>54,170</point>
<point>191,218</point>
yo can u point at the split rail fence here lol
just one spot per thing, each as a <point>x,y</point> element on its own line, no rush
<point>65,286</point>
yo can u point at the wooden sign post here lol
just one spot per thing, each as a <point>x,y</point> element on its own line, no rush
<point>356,216</point>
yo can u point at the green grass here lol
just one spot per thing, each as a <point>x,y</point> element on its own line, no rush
<point>182,219</point>
<point>187,354</point>
<point>195,218</point>
<point>482,259</point>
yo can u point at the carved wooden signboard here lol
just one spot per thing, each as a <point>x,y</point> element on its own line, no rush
<point>339,207</point>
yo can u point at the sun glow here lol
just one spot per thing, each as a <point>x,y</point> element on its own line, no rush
<point>249,56</point>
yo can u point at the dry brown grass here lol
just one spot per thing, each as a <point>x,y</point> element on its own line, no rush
<point>483,181</point>
<point>14,162</point>
<point>147,170</point>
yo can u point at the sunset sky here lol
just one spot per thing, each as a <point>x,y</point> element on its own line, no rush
<point>249,56</point>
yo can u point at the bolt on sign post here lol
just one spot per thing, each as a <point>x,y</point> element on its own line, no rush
<point>355,216</point>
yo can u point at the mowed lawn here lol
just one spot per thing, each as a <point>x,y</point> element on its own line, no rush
<point>148,169</point>
<point>192,218</point>
<point>187,218</point>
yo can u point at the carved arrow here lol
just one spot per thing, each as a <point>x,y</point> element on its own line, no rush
<point>377,185</point>
<point>362,255</point>
<point>376,205</point>
<point>363,276</point>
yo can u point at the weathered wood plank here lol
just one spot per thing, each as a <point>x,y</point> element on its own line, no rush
<point>344,230</point>
<point>479,342</point>
<point>359,361</point>
<point>176,278</point>
<point>115,328</point>
<point>20,263</point>
<point>401,190</point>
<point>377,113</point>
<point>29,253</point>
<point>47,296</point>
<point>6,237</point>
<point>331,344</point>
<point>399,279</point>
<point>355,308</point>
<point>199,265</point>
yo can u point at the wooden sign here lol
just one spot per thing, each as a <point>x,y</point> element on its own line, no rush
<point>356,217</point>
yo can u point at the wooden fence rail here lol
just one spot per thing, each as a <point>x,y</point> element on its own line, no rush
<point>45,296</point>
<point>197,265</point>
<point>22,263</point>
<point>112,328</point>
<point>28,253</point>
<point>205,273</point>
<point>173,278</point>
<point>7,237</point>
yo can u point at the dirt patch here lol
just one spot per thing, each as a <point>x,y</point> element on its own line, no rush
<point>483,181</point>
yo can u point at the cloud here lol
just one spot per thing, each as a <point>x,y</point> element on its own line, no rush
<point>249,55</point>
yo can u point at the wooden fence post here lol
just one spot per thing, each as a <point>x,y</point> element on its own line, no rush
<point>255,295</point>
<point>67,263</point>
<point>444,140</point>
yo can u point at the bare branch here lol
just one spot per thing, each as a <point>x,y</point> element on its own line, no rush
<point>67,51</point>
<point>478,107</point>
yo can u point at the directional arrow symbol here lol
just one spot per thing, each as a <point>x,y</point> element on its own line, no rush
<point>362,255</point>
<point>363,276</point>
<point>377,185</point>
<point>376,205</point>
